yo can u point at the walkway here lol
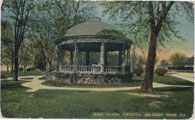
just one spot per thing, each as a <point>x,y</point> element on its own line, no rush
<point>185,76</point>
<point>35,84</point>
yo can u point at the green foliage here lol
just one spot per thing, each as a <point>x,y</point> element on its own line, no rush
<point>177,59</point>
<point>140,62</point>
<point>7,43</point>
<point>189,61</point>
<point>134,15</point>
<point>160,71</point>
<point>39,62</point>
<point>136,60</point>
<point>25,57</point>
<point>164,63</point>
<point>53,20</point>
<point>133,58</point>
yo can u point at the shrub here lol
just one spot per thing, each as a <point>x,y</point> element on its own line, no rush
<point>20,69</point>
<point>31,69</point>
<point>138,71</point>
<point>160,71</point>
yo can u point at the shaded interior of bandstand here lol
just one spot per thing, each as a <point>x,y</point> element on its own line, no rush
<point>95,57</point>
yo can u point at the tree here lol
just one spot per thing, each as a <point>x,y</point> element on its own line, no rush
<point>164,63</point>
<point>133,59</point>
<point>39,62</point>
<point>7,45</point>
<point>149,21</point>
<point>25,57</point>
<point>189,61</point>
<point>140,62</point>
<point>19,13</point>
<point>6,57</point>
<point>177,60</point>
<point>54,19</point>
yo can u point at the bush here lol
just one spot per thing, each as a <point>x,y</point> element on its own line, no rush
<point>138,71</point>
<point>31,69</point>
<point>160,71</point>
<point>21,69</point>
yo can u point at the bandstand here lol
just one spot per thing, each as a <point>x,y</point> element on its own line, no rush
<point>94,36</point>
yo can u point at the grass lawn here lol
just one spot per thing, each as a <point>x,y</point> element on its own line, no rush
<point>167,80</point>
<point>17,103</point>
<point>20,73</point>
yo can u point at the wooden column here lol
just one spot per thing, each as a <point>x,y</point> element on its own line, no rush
<point>75,55</point>
<point>102,58</point>
<point>87,58</point>
<point>60,67</point>
<point>59,57</point>
<point>71,57</point>
<point>120,58</point>
<point>128,59</point>
<point>105,60</point>
<point>123,60</point>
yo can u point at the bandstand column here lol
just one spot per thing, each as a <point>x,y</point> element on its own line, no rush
<point>87,58</point>
<point>75,57</point>
<point>105,59</point>
<point>120,57</point>
<point>102,57</point>
<point>71,57</point>
<point>59,62</point>
<point>128,59</point>
<point>123,60</point>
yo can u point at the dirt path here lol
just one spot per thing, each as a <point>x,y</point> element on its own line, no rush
<point>35,84</point>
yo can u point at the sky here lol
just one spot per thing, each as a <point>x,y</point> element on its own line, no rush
<point>185,28</point>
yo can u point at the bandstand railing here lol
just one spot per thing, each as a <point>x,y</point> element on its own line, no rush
<point>92,68</point>
<point>113,69</point>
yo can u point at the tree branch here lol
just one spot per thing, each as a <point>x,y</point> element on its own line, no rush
<point>164,12</point>
<point>151,14</point>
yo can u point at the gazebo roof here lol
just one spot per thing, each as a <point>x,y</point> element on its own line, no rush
<point>90,34</point>
<point>91,27</point>
<point>94,29</point>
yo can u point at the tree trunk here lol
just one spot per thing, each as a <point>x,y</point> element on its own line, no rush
<point>25,68</point>
<point>50,66</point>
<point>7,68</point>
<point>12,61</point>
<point>16,62</point>
<point>148,78</point>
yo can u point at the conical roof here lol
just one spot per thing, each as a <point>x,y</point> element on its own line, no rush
<point>90,27</point>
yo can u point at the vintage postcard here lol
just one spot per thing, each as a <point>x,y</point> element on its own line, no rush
<point>78,59</point>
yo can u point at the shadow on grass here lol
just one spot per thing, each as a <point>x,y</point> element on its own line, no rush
<point>167,80</point>
<point>42,78</point>
<point>12,85</point>
<point>172,89</point>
